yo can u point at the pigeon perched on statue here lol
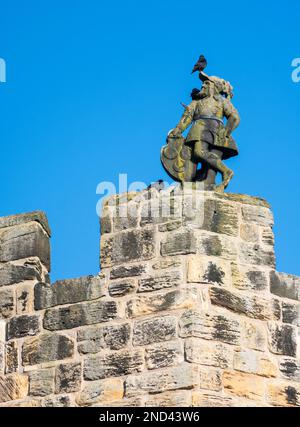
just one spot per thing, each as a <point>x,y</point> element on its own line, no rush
<point>200,65</point>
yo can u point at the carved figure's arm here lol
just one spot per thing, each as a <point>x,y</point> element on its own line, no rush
<point>232,116</point>
<point>185,120</point>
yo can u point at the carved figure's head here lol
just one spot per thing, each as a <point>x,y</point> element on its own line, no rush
<point>216,84</point>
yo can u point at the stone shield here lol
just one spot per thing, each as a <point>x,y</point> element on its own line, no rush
<point>177,160</point>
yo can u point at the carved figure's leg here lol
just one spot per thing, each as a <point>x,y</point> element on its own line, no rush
<point>212,158</point>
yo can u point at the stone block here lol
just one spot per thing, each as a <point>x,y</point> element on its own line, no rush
<point>173,300</point>
<point>21,219</point>
<point>210,378</point>
<point>258,214</point>
<point>11,273</point>
<point>161,210</point>
<point>170,226</point>
<point>290,368</point>
<point>252,362</point>
<point>210,326</point>
<point>170,399</point>
<point>185,376</point>
<point>267,236</point>
<point>249,278</point>
<point>127,246</point>
<point>291,313</point>
<point>113,337</point>
<point>283,393</point>
<point>7,307</point>
<point>254,335</point>
<point>165,263</point>
<point>22,326</point>
<point>252,306</point>
<point>13,387</point>
<point>157,282</point>
<point>24,241</point>
<point>56,402</point>
<point>154,330</point>
<point>11,357</point>
<point>220,217</point>
<point>80,314</point>
<point>202,399</point>
<point>68,291</point>
<point>68,377</point>
<point>244,385</point>
<point>179,243</point>
<point>208,353</point>
<point>41,382</point>
<point>255,254</point>
<point>46,348</point>
<point>285,285</point>
<point>102,392</point>
<point>282,339</point>
<point>24,299</point>
<point>123,271</point>
<point>114,364</point>
<point>121,288</point>
<point>164,355</point>
<point>125,216</point>
<point>215,245</point>
<point>206,270</point>
<point>249,232</point>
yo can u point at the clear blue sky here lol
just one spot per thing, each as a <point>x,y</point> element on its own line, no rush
<point>94,86</point>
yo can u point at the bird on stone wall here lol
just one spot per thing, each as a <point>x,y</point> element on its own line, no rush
<point>200,65</point>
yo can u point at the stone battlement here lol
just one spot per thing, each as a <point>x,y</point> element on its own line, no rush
<point>187,310</point>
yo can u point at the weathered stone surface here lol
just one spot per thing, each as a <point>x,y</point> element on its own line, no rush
<point>11,357</point>
<point>290,368</point>
<point>24,299</point>
<point>210,326</point>
<point>205,270</point>
<point>244,385</point>
<point>114,364</point>
<point>255,363</point>
<point>79,315</point>
<point>127,246</point>
<point>28,403</point>
<point>252,306</point>
<point>13,387</point>
<point>256,255</point>
<point>24,241</point>
<point>36,216</point>
<point>2,357</point>
<point>267,236</point>
<point>170,226</point>
<point>11,273</point>
<point>154,330</point>
<point>249,232</point>
<point>123,271</point>
<point>157,282</point>
<point>179,243</point>
<point>184,376</point>
<point>215,245</point>
<point>68,291</point>
<point>210,378</point>
<point>56,402</point>
<point>282,339</point>
<point>106,221</point>
<point>113,337</point>
<point>103,392</point>
<point>170,399</point>
<point>121,288</point>
<point>6,303</point>
<point>22,326</point>
<point>68,378</point>
<point>46,348</point>
<point>220,217</point>
<point>285,285</point>
<point>164,263</point>
<point>41,382</point>
<point>164,355</point>
<point>259,215</point>
<point>202,399</point>
<point>291,313</point>
<point>282,393</point>
<point>125,216</point>
<point>247,278</point>
<point>160,210</point>
<point>208,353</point>
<point>143,305</point>
<point>254,335</point>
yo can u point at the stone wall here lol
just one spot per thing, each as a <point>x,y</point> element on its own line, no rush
<point>187,310</point>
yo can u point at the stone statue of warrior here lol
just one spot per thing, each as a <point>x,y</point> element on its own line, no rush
<point>209,140</point>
